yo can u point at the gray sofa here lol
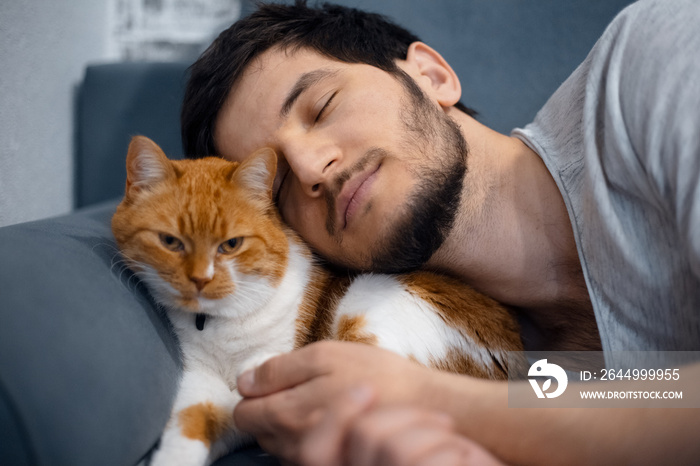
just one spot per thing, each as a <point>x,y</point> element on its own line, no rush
<point>88,365</point>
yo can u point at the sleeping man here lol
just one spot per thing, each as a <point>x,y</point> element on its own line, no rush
<point>587,221</point>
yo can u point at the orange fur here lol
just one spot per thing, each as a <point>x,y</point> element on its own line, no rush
<point>206,202</point>
<point>201,204</point>
<point>485,320</point>
<point>352,329</point>
<point>206,238</point>
<point>317,311</point>
<point>204,422</point>
<point>464,308</point>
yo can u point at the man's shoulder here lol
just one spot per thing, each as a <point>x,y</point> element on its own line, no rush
<point>652,91</point>
<point>629,104</point>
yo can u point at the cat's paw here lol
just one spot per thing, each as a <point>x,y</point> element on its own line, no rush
<point>255,361</point>
<point>184,452</point>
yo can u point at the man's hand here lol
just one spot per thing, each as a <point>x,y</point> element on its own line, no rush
<point>354,433</point>
<point>288,395</point>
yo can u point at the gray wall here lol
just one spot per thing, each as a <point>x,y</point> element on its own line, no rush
<point>44,47</point>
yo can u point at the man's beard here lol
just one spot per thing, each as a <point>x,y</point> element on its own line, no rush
<point>430,212</point>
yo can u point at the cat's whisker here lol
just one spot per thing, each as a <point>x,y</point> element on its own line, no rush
<point>272,308</point>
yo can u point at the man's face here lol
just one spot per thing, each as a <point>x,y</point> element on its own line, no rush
<point>369,173</point>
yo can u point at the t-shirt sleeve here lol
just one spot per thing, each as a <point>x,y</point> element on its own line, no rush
<point>659,101</point>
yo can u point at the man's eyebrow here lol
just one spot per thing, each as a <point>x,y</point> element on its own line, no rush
<point>304,82</point>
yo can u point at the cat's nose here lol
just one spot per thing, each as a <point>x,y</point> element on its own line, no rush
<point>200,283</point>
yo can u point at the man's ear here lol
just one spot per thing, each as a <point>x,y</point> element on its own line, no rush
<point>435,76</point>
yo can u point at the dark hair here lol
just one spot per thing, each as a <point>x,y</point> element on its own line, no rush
<point>341,33</point>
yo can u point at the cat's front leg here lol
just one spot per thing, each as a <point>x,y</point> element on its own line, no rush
<point>201,427</point>
<point>256,360</point>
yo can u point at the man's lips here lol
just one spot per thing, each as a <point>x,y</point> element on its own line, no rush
<point>352,194</point>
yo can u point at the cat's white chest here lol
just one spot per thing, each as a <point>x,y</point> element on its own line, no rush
<point>233,334</point>
<point>223,347</point>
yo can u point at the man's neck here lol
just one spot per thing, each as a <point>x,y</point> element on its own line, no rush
<point>512,237</point>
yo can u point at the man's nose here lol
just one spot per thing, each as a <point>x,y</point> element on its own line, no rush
<point>313,165</point>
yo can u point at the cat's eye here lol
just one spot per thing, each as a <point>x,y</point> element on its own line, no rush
<point>170,242</point>
<point>229,246</point>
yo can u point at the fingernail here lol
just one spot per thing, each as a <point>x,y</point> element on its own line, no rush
<point>246,380</point>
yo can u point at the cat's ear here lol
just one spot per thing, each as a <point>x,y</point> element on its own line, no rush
<point>146,165</point>
<point>257,174</point>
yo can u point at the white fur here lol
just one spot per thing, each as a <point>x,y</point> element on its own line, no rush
<point>257,321</point>
<point>404,323</point>
<point>197,385</point>
<point>162,291</point>
<point>241,331</point>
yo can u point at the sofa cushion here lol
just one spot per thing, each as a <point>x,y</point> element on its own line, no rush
<point>117,101</point>
<point>88,367</point>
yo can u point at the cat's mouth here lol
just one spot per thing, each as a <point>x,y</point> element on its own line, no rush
<point>193,301</point>
<point>189,303</point>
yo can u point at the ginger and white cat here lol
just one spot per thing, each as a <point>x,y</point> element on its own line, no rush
<point>239,286</point>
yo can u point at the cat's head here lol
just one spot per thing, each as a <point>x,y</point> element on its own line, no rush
<point>203,234</point>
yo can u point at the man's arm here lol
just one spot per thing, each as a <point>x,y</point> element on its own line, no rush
<point>289,395</point>
<point>572,435</point>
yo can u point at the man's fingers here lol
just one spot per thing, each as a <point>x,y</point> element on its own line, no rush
<point>404,435</point>
<point>281,372</point>
<point>284,412</point>
<point>371,437</point>
<point>460,452</point>
<point>323,446</point>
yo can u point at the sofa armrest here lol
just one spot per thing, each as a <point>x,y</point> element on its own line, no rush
<point>88,366</point>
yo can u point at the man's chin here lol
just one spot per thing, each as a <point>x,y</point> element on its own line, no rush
<point>422,228</point>
<point>404,243</point>
<point>404,254</point>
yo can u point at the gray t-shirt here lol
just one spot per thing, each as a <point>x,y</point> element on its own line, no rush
<point>621,137</point>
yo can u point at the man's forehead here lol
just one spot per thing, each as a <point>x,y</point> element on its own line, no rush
<point>278,61</point>
<point>252,109</point>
